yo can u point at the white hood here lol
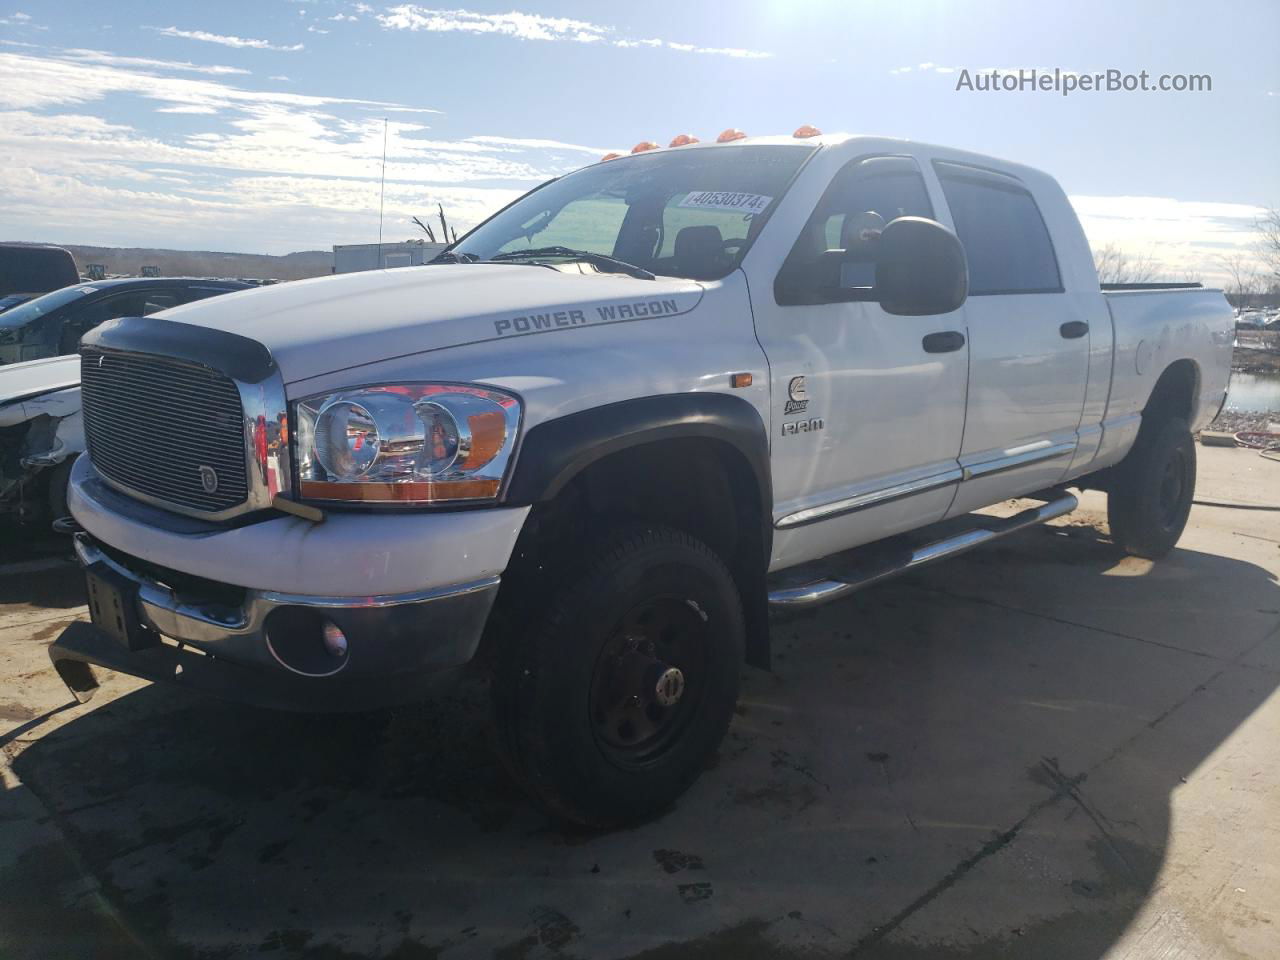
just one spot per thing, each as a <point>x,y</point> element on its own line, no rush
<point>33,377</point>
<point>314,327</point>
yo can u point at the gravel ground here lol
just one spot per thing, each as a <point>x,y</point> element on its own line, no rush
<point>1039,751</point>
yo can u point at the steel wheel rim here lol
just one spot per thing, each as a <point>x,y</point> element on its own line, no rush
<point>657,652</point>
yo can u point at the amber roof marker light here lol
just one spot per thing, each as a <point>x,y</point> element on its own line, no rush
<point>610,156</point>
<point>644,145</point>
<point>733,133</point>
<point>806,130</point>
<point>683,140</point>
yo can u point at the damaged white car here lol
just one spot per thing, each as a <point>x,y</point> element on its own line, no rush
<point>41,434</point>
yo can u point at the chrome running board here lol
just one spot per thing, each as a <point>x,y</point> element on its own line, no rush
<point>864,566</point>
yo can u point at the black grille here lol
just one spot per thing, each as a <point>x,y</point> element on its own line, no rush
<point>152,422</point>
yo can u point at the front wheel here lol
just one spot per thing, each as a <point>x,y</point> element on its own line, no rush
<point>1148,506</point>
<point>611,706</point>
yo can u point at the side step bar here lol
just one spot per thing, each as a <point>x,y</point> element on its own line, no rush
<point>862,571</point>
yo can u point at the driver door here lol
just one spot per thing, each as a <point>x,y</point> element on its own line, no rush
<point>867,408</point>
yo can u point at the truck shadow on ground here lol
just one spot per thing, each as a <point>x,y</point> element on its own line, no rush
<point>974,762</point>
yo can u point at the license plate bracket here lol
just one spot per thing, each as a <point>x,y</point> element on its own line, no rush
<point>113,607</point>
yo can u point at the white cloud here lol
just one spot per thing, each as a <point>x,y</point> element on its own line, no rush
<point>314,29</point>
<point>250,169</point>
<point>1186,237</point>
<point>526,26</point>
<point>224,40</point>
<point>532,26</point>
<point>402,110</point>
<point>535,144</point>
<point>110,59</point>
<point>20,20</point>
<point>188,108</point>
<point>28,81</point>
<point>339,17</point>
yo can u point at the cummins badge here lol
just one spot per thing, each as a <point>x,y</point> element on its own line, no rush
<point>798,398</point>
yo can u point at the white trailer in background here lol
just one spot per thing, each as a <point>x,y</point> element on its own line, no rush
<point>354,257</point>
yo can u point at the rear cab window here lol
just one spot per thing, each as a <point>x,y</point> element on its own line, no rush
<point>1005,238</point>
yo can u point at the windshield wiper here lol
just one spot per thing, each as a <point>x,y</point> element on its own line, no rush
<point>453,256</point>
<point>599,259</point>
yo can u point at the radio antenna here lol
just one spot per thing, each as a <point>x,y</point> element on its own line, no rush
<point>382,194</point>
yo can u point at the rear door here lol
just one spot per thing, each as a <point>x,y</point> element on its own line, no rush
<point>866,418</point>
<point>1028,341</point>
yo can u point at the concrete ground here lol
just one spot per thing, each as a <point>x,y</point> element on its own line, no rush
<point>1039,750</point>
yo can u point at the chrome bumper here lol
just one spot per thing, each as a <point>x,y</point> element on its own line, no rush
<point>212,627</point>
<point>393,643</point>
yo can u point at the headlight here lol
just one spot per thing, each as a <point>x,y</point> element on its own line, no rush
<point>419,443</point>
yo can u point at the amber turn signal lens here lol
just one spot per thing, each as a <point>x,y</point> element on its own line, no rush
<point>488,433</point>
<point>739,380</point>
<point>413,491</point>
<point>733,133</point>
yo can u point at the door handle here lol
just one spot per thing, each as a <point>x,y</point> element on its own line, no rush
<point>945,342</point>
<point>1073,329</point>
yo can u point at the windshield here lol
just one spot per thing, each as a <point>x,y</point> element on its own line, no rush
<point>24,313</point>
<point>689,214</point>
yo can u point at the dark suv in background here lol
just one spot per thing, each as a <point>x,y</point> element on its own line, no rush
<point>53,324</point>
<point>30,269</point>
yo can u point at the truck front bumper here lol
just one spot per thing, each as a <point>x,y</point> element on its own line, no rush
<point>354,613</point>
<point>276,650</point>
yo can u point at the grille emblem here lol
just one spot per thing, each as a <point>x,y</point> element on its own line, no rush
<point>209,479</point>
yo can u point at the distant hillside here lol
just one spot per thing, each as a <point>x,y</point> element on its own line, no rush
<point>205,263</point>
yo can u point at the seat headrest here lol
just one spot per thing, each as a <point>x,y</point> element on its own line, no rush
<point>699,243</point>
<point>699,250</point>
<point>853,233</point>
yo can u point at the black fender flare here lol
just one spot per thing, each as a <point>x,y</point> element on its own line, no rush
<point>552,453</point>
<point>555,451</point>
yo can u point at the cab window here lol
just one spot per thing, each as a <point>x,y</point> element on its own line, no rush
<point>837,247</point>
<point>1005,238</point>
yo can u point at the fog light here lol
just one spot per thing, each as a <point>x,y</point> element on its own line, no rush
<point>335,641</point>
<point>306,642</point>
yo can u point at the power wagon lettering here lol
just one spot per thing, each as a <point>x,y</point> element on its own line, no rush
<point>612,313</point>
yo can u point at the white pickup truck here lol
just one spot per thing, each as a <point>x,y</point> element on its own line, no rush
<point>592,444</point>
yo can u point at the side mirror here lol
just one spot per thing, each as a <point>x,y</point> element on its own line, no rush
<point>920,268</point>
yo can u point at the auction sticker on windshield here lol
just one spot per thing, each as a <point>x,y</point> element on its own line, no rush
<point>725,200</point>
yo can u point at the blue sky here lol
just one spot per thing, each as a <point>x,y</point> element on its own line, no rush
<point>258,126</point>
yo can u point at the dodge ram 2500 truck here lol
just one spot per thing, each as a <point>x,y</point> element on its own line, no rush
<point>592,444</point>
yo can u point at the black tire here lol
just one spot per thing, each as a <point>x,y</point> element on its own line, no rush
<point>648,599</point>
<point>1148,504</point>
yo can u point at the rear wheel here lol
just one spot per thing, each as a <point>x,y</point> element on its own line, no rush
<point>611,706</point>
<point>1149,502</point>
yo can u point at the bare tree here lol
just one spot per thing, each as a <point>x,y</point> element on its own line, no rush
<point>1268,244</point>
<point>447,233</point>
<point>1115,265</point>
<point>425,227</point>
<point>1243,278</point>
